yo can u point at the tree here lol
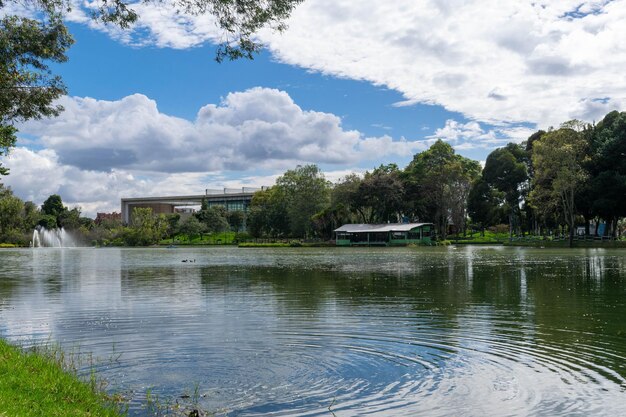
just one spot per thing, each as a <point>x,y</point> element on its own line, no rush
<point>438,182</point>
<point>30,215</point>
<point>213,218</point>
<point>53,205</point>
<point>463,172</point>
<point>173,224</point>
<point>268,213</point>
<point>236,219</point>
<point>146,228</point>
<point>505,170</point>
<point>27,87</point>
<point>427,176</point>
<point>381,194</point>
<point>607,168</point>
<point>69,219</point>
<point>191,227</point>
<point>27,47</point>
<point>482,204</point>
<point>558,159</point>
<point>11,208</point>
<point>344,200</point>
<point>306,193</point>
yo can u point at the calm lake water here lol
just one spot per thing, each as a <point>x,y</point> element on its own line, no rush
<point>476,331</point>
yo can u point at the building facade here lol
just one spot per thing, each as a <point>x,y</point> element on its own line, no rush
<point>231,199</point>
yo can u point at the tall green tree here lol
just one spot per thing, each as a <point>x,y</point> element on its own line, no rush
<point>213,217</point>
<point>267,215</point>
<point>463,172</point>
<point>236,219</point>
<point>506,171</point>
<point>27,86</point>
<point>70,219</point>
<point>381,195</point>
<point>438,182</point>
<point>558,159</point>
<point>345,202</point>
<point>427,177</point>
<point>146,228</point>
<point>483,203</point>
<point>306,193</point>
<point>191,227</point>
<point>52,209</point>
<point>607,169</point>
<point>11,220</point>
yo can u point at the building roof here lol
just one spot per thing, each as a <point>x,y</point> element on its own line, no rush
<point>386,227</point>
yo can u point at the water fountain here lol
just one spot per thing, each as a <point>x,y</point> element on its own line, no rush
<point>55,238</point>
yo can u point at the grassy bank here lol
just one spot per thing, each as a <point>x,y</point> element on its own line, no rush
<point>38,384</point>
<point>222,238</point>
<point>488,238</point>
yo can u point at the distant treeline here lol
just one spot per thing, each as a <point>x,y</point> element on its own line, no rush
<point>553,182</point>
<point>18,219</point>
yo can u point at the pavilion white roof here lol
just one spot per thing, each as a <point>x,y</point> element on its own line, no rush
<point>386,227</point>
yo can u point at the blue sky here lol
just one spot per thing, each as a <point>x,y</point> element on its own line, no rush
<point>348,86</point>
<point>182,81</point>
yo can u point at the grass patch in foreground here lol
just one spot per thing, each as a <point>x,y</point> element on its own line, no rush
<point>36,384</point>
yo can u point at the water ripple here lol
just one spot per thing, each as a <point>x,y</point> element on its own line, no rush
<point>437,332</point>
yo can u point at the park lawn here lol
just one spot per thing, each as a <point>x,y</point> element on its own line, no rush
<point>36,384</point>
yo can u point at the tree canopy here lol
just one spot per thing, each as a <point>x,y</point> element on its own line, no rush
<point>558,161</point>
<point>27,86</point>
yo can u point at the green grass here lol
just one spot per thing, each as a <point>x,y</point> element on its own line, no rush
<point>38,383</point>
<point>222,238</point>
<point>8,245</point>
<point>478,239</point>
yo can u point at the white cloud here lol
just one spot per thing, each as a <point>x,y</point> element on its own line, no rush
<point>255,129</point>
<point>97,152</point>
<point>471,135</point>
<point>35,175</point>
<point>493,61</point>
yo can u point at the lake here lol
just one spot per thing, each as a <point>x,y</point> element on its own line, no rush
<point>467,331</point>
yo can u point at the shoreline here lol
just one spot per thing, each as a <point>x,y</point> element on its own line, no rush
<point>37,382</point>
<point>618,244</point>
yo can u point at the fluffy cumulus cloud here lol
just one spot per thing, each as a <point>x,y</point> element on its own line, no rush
<point>494,61</point>
<point>98,151</point>
<point>472,135</point>
<point>37,174</point>
<point>255,129</point>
